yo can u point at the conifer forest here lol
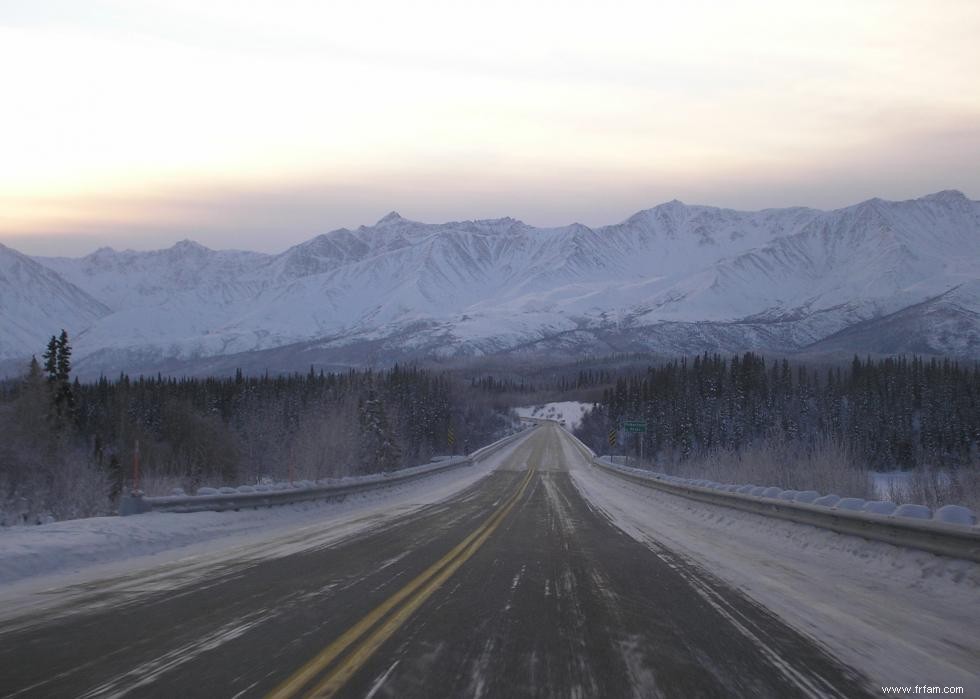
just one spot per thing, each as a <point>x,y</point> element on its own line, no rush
<point>75,445</point>
<point>902,412</point>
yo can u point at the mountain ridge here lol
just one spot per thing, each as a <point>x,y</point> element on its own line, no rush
<point>674,277</point>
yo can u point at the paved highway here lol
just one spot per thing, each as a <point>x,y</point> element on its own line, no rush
<point>513,588</point>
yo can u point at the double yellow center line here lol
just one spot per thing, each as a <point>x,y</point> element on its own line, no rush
<point>360,641</point>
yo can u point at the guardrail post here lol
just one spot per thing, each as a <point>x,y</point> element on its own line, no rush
<point>133,504</point>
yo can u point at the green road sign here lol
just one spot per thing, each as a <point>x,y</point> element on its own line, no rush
<point>613,436</point>
<point>635,425</point>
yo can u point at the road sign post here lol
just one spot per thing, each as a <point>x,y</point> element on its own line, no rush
<point>637,427</point>
<point>136,467</point>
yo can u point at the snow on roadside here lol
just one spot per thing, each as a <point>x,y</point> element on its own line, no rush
<point>568,413</point>
<point>101,546</point>
<point>900,616</point>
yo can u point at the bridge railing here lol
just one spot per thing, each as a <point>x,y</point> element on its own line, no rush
<point>944,538</point>
<point>303,491</point>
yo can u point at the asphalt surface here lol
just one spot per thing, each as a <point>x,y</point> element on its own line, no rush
<point>513,588</point>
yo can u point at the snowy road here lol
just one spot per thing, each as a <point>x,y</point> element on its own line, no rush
<point>516,585</point>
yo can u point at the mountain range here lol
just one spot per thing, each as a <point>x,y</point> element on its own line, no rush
<point>876,277</point>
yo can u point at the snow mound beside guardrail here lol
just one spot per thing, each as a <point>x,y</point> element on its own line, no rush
<point>952,514</point>
<point>950,530</point>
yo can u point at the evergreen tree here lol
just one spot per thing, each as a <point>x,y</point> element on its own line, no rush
<point>33,372</point>
<point>51,360</point>
<point>379,450</point>
<point>34,401</point>
<point>63,362</point>
<point>57,364</point>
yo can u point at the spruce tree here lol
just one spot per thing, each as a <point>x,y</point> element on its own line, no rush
<point>379,451</point>
<point>57,367</point>
<point>51,360</point>
<point>33,371</point>
<point>34,401</point>
<point>63,364</point>
<point>66,396</point>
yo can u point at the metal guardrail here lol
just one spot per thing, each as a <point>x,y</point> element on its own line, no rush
<point>927,535</point>
<point>132,505</point>
<point>483,452</point>
<point>940,538</point>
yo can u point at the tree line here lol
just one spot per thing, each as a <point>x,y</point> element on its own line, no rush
<point>190,432</point>
<point>898,412</point>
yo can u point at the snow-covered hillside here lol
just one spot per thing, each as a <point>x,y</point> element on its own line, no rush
<point>674,278</point>
<point>36,303</point>
<point>567,413</point>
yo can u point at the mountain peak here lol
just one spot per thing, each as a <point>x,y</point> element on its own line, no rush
<point>948,195</point>
<point>668,207</point>
<point>391,217</point>
<point>188,245</point>
<point>102,253</point>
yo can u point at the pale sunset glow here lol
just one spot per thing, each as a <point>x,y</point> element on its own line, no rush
<point>259,124</point>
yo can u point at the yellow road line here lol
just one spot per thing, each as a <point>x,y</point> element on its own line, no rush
<point>412,595</point>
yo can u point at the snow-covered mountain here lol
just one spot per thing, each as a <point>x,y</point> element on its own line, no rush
<point>132,279</point>
<point>674,278</point>
<point>36,303</point>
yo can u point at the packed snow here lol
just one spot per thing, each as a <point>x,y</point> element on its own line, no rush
<point>52,555</point>
<point>900,616</point>
<point>568,413</point>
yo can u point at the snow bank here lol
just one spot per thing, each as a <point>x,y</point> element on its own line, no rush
<point>880,507</point>
<point>957,514</point>
<point>913,511</point>
<point>827,500</point>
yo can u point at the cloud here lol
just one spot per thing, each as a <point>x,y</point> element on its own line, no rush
<point>247,123</point>
<point>900,163</point>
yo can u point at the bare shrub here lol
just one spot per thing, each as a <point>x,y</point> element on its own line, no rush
<point>161,482</point>
<point>64,484</point>
<point>263,443</point>
<point>201,445</point>
<point>44,473</point>
<point>78,488</point>
<point>938,487</point>
<point>324,445</point>
<point>825,465</point>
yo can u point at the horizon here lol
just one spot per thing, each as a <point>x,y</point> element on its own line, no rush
<point>252,127</point>
<point>81,250</point>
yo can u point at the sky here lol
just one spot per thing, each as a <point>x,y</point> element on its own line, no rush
<point>137,123</point>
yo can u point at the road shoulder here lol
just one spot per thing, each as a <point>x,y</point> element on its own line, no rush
<point>899,616</point>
